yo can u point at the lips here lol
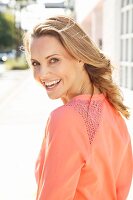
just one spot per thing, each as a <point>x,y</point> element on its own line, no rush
<point>51,84</point>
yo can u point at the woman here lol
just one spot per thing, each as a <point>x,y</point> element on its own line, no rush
<point>86,152</point>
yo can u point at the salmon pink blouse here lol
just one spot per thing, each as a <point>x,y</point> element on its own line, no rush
<point>86,153</point>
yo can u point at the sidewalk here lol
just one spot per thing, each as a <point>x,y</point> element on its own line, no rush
<point>22,120</point>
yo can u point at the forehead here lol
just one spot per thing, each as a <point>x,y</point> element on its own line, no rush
<point>47,45</point>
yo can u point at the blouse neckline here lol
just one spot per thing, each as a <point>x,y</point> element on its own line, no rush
<point>88,96</point>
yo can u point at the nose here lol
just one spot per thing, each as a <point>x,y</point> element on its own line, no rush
<point>42,72</point>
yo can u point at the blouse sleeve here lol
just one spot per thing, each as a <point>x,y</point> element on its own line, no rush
<point>63,159</point>
<point>125,176</point>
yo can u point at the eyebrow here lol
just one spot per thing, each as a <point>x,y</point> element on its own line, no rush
<point>47,57</point>
<point>51,55</point>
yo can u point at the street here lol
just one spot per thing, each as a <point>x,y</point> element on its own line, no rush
<point>24,109</point>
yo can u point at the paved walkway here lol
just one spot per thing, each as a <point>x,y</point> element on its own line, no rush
<point>22,121</point>
<point>23,114</point>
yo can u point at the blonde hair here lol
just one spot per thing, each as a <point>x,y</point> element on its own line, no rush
<point>81,47</point>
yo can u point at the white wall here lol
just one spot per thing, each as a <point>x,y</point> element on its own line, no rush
<point>83,8</point>
<point>111,33</point>
<point>111,27</point>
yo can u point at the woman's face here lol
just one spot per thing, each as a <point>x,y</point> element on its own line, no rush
<point>59,73</point>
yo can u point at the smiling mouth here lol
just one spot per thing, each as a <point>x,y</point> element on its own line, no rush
<point>51,84</point>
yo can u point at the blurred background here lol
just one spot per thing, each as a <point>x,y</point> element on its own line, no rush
<point>24,106</point>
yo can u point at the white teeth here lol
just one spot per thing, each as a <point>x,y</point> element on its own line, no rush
<point>52,83</point>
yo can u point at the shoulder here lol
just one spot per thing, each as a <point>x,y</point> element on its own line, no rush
<point>115,122</point>
<point>64,115</point>
<point>65,124</point>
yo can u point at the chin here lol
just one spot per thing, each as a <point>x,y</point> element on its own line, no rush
<point>54,97</point>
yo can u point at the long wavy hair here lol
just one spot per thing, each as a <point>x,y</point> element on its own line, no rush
<point>81,47</point>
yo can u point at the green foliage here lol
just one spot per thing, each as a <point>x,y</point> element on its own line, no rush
<point>9,34</point>
<point>16,63</point>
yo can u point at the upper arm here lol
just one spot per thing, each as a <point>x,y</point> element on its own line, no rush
<point>63,159</point>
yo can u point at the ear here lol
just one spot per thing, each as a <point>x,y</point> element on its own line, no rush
<point>81,64</point>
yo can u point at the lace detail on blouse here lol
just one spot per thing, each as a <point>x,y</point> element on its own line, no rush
<point>91,114</point>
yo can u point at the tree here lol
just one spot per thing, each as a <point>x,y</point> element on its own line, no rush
<point>8,32</point>
<point>10,35</point>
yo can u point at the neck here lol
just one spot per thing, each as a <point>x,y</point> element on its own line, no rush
<point>85,88</point>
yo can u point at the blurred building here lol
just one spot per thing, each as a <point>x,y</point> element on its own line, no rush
<point>39,10</point>
<point>92,19</point>
<point>110,24</point>
<point>3,7</point>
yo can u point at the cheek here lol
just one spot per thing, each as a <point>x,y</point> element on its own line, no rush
<point>66,71</point>
<point>69,79</point>
<point>35,74</point>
